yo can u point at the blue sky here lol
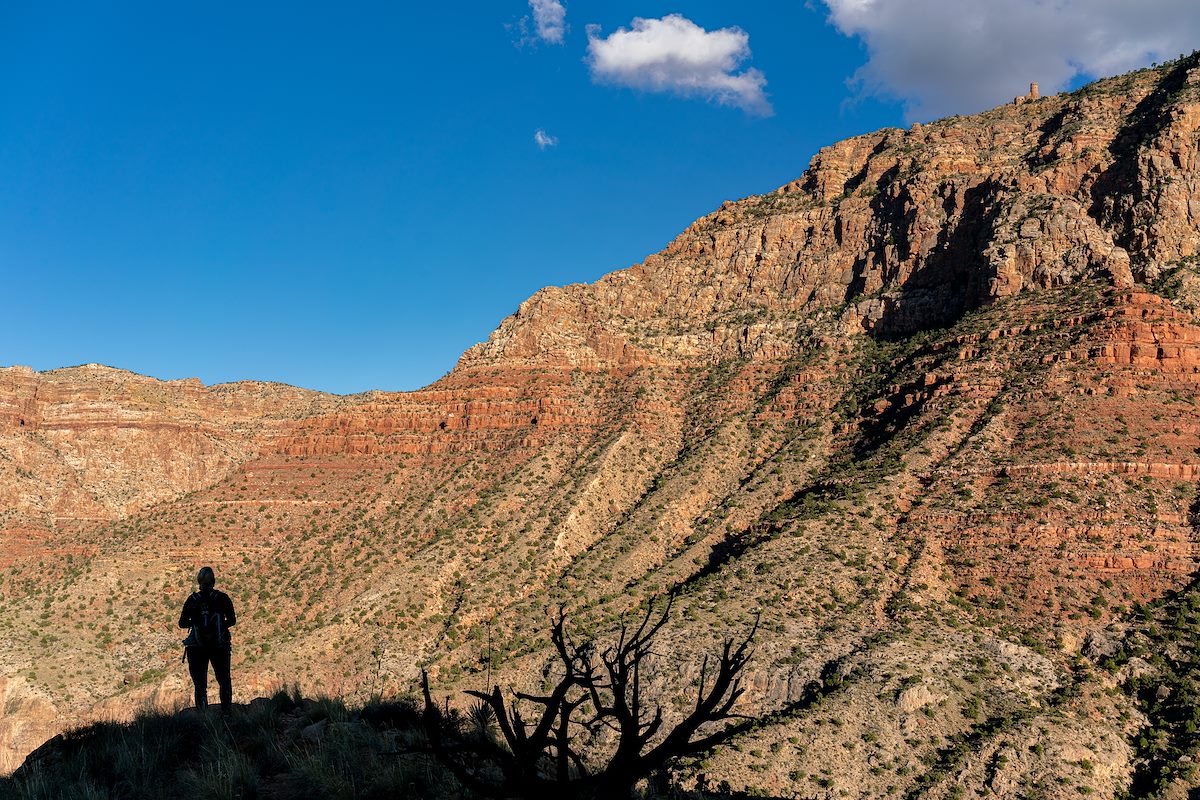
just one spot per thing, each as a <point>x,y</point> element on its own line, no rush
<point>346,196</point>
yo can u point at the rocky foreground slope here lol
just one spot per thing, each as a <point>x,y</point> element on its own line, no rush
<point>932,409</point>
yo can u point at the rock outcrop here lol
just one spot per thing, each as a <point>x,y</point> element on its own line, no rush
<point>93,443</point>
<point>931,409</point>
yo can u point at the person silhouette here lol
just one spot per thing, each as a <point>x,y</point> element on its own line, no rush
<point>209,613</point>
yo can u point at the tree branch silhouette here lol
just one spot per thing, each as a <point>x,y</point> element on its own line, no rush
<point>601,693</point>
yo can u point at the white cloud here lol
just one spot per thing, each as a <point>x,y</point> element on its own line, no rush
<point>959,56</point>
<point>544,140</point>
<point>674,54</point>
<point>549,19</point>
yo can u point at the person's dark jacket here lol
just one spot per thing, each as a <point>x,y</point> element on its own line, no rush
<point>217,600</point>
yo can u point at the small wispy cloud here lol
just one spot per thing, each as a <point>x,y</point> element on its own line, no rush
<point>544,140</point>
<point>675,55</point>
<point>549,20</point>
<point>958,57</point>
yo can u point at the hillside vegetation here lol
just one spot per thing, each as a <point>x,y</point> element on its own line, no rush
<point>929,413</point>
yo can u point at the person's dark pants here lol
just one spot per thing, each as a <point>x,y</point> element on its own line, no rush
<point>198,659</point>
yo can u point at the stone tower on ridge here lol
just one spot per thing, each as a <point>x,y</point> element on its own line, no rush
<point>1025,98</point>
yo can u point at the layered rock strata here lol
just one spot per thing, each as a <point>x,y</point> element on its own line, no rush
<point>931,410</point>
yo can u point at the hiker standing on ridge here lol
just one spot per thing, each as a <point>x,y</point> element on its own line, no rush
<point>209,613</point>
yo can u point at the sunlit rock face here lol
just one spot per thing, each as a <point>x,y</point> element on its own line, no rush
<point>931,409</point>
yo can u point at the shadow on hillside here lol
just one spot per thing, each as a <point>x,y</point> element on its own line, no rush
<point>284,747</point>
<point>1118,190</point>
<point>951,280</point>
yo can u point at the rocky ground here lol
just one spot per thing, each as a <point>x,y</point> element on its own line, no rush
<point>931,410</point>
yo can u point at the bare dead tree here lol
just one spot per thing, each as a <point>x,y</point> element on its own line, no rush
<point>600,691</point>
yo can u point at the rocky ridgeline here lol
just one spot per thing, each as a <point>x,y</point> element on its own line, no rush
<point>907,228</point>
<point>931,408</point>
<point>95,443</point>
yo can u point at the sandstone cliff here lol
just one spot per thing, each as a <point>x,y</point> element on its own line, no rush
<point>94,443</point>
<point>931,408</point>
